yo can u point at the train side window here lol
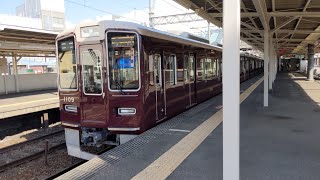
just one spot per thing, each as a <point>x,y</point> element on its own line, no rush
<point>171,69</point>
<point>210,70</point>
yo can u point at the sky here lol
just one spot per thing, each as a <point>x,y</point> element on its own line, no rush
<point>128,10</point>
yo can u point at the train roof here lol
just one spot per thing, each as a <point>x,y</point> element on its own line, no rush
<point>250,55</point>
<point>143,30</point>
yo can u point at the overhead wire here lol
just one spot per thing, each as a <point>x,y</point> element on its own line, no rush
<point>100,10</point>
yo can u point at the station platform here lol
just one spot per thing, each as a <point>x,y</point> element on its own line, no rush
<point>278,142</point>
<point>25,103</point>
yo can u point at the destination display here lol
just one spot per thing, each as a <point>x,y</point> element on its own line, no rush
<point>127,41</point>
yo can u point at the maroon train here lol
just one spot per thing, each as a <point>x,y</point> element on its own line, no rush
<point>119,79</point>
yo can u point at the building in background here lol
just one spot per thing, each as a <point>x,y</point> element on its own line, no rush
<point>49,12</point>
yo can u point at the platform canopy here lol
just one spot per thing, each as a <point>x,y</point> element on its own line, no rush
<point>25,42</point>
<point>292,23</point>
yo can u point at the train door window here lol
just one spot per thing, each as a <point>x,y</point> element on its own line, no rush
<point>219,67</point>
<point>151,73</point>
<point>156,61</point>
<point>201,69</point>
<point>191,67</point>
<point>186,69</point>
<point>171,69</point>
<point>214,68</point>
<point>247,65</point>
<point>91,71</point>
<point>180,66</point>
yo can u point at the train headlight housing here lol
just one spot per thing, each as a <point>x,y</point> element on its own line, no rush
<point>71,108</point>
<point>126,111</point>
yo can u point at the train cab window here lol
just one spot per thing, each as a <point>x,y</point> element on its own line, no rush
<point>91,71</point>
<point>171,69</point>
<point>67,64</point>
<point>123,61</point>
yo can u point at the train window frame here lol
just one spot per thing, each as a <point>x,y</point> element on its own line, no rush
<point>101,69</point>
<point>77,63</point>
<point>107,60</point>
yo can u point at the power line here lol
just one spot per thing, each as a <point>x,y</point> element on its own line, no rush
<point>142,10</point>
<point>100,10</point>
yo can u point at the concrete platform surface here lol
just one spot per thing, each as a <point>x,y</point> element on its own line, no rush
<point>24,103</point>
<point>279,142</point>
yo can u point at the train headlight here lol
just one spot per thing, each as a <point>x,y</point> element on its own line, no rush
<point>71,108</point>
<point>126,111</point>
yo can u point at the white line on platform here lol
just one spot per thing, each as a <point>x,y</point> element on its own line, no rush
<point>179,130</point>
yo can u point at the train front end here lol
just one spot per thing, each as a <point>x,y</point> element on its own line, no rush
<point>99,87</point>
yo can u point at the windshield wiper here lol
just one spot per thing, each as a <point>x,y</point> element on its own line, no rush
<point>119,87</point>
<point>94,56</point>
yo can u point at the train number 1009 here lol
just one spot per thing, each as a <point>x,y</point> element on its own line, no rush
<point>68,99</point>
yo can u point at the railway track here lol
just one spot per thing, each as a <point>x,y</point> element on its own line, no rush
<point>30,157</point>
<point>15,146</point>
<point>66,170</point>
<point>75,165</point>
<point>6,151</point>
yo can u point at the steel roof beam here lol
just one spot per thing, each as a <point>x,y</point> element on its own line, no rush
<point>286,31</point>
<point>251,27</point>
<point>245,10</point>
<point>299,13</point>
<point>261,9</point>
<point>274,14</point>
<point>273,4</point>
<point>300,18</point>
<point>283,24</point>
<point>243,14</point>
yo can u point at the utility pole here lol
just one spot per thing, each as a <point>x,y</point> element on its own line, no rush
<point>209,31</point>
<point>151,12</point>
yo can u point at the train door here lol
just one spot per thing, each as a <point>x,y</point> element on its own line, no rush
<point>190,63</point>
<point>93,104</point>
<point>159,87</point>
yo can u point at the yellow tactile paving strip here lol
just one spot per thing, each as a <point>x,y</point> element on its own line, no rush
<point>162,167</point>
<point>30,102</point>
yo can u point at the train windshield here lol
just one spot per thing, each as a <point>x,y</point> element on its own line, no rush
<point>67,64</point>
<point>123,59</point>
